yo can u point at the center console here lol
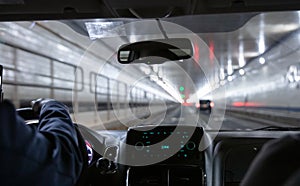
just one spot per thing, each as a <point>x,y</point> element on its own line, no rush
<point>164,156</point>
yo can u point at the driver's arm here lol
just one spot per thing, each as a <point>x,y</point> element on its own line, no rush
<point>46,155</point>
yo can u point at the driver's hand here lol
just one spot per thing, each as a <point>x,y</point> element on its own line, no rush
<point>38,104</point>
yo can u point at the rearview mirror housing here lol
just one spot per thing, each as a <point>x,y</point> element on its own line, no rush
<point>156,51</point>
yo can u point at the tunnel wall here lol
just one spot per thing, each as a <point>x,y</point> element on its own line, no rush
<point>39,63</point>
<point>272,86</point>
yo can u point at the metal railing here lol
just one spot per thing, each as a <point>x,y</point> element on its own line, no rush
<point>77,82</point>
<point>113,91</point>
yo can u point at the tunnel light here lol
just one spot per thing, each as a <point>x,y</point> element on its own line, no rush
<point>146,70</point>
<point>154,78</point>
<point>229,67</point>
<point>222,74</point>
<point>229,78</point>
<point>155,68</point>
<point>262,60</point>
<point>261,44</point>
<point>242,72</point>
<point>160,74</point>
<point>242,61</point>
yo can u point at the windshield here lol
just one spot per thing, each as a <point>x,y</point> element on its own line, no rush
<point>244,69</point>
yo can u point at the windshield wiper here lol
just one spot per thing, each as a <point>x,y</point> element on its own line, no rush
<point>277,128</point>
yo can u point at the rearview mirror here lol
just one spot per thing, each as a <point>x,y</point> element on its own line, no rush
<point>156,51</point>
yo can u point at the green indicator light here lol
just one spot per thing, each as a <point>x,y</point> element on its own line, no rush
<point>182,96</point>
<point>181,88</point>
<point>165,147</point>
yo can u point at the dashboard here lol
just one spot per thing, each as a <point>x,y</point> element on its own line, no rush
<point>170,155</point>
<point>147,155</point>
<point>168,145</point>
<point>165,155</point>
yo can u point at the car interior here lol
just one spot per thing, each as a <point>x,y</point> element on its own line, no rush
<point>164,93</point>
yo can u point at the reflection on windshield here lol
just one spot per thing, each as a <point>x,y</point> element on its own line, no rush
<point>249,72</point>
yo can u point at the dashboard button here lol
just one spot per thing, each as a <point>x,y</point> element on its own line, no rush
<point>190,145</point>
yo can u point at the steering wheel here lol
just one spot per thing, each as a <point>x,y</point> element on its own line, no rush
<point>27,114</point>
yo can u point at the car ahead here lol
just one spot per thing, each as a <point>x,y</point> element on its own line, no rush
<point>205,105</point>
<point>130,73</point>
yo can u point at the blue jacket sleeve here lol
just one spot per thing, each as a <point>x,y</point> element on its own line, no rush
<point>45,155</point>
